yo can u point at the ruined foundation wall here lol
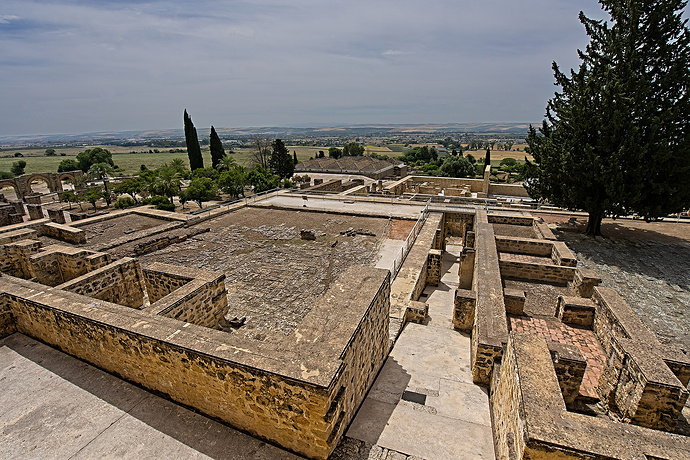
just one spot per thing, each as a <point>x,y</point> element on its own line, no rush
<point>162,279</point>
<point>119,282</point>
<point>555,274</point>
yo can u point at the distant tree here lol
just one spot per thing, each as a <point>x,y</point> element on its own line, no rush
<point>211,173</point>
<point>18,167</point>
<point>132,186</point>
<point>6,175</point>
<point>217,151</point>
<point>102,171</point>
<point>92,156</point>
<point>179,165</point>
<point>50,152</point>
<point>262,180</point>
<point>226,163</point>
<point>69,198</point>
<point>281,161</point>
<point>261,151</point>
<point>353,149</point>
<point>92,195</point>
<point>294,157</point>
<point>201,189</point>
<point>509,162</point>
<point>456,166</point>
<point>18,155</point>
<point>487,158</point>
<point>233,181</point>
<point>616,138</point>
<point>167,182</point>
<point>471,158</point>
<point>196,161</point>
<point>124,202</point>
<point>334,152</point>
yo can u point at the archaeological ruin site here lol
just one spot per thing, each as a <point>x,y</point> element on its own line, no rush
<point>414,317</point>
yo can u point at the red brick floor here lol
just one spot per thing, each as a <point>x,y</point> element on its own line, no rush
<point>525,258</point>
<point>585,340</point>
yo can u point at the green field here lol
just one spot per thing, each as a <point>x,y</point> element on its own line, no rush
<point>36,161</point>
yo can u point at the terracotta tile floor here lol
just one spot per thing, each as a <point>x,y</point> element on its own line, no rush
<point>585,340</point>
<point>525,258</point>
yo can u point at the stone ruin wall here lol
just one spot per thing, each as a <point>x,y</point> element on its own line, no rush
<point>531,420</point>
<point>119,282</point>
<point>199,299</point>
<point>198,366</point>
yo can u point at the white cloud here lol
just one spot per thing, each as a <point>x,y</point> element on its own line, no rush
<point>7,18</point>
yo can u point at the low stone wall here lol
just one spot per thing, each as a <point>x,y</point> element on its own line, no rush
<point>531,420</point>
<point>412,277</point>
<point>555,274</point>
<point>636,382</point>
<point>584,282</point>
<point>511,219</point>
<point>508,190</point>
<point>465,302</point>
<point>334,185</point>
<point>570,366</point>
<point>490,330</point>
<point>530,246</point>
<point>576,311</point>
<point>299,391</point>
<point>65,233</point>
<point>17,235</point>
<point>199,299</point>
<point>119,282</point>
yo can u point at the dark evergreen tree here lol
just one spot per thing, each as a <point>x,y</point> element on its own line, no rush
<point>294,157</point>
<point>193,150</point>
<point>281,161</point>
<point>487,158</point>
<point>217,151</point>
<point>615,139</point>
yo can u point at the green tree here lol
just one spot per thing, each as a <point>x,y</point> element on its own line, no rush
<point>334,152</point>
<point>456,166</point>
<point>226,163</point>
<point>196,161</point>
<point>353,149</point>
<point>294,157</point>
<point>233,181</point>
<point>92,156</point>
<point>201,189</point>
<point>92,195</point>
<point>167,182</point>
<point>102,171</point>
<point>281,161</point>
<point>18,167</point>
<point>50,152</point>
<point>178,165</point>
<point>262,180</point>
<point>217,151</point>
<point>615,138</point>
<point>132,186</point>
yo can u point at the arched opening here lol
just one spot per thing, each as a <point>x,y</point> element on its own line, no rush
<point>9,190</point>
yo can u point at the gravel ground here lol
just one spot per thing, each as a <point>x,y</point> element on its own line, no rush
<point>652,276</point>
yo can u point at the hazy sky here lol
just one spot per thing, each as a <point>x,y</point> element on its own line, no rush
<point>71,66</point>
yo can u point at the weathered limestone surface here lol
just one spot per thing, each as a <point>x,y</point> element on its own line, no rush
<point>514,300</point>
<point>555,274</point>
<point>119,282</point>
<point>511,219</point>
<point>463,311</point>
<point>490,331</point>
<point>65,233</point>
<point>584,282</point>
<point>570,365</point>
<point>299,391</point>
<point>531,420</point>
<point>190,295</point>
<point>576,311</point>
<point>636,381</point>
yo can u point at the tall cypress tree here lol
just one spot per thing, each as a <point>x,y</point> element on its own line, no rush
<point>217,151</point>
<point>617,135</point>
<point>193,150</point>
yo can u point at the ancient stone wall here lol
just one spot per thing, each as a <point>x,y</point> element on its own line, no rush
<point>200,299</point>
<point>530,246</point>
<point>490,331</point>
<point>119,282</point>
<point>555,274</point>
<point>463,309</point>
<point>299,391</point>
<point>56,263</point>
<point>335,185</point>
<point>570,365</point>
<point>15,257</point>
<point>636,381</point>
<point>511,219</point>
<point>65,233</point>
<point>508,190</point>
<point>531,420</point>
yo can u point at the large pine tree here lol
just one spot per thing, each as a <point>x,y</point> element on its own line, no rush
<point>217,151</point>
<point>196,161</point>
<point>615,139</point>
<point>281,161</point>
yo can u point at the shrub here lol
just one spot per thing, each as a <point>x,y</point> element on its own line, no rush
<point>124,202</point>
<point>160,202</point>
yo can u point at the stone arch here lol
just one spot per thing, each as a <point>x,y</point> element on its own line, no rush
<point>11,183</point>
<point>48,178</point>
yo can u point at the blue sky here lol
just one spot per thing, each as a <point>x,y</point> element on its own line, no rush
<point>80,66</point>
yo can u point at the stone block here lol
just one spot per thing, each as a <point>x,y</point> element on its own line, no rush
<point>56,215</point>
<point>463,310</point>
<point>35,211</point>
<point>584,282</point>
<point>514,300</point>
<point>417,312</point>
<point>576,311</point>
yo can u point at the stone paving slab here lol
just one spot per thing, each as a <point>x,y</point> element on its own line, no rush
<point>433,361</point>
<point>54,406</point>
